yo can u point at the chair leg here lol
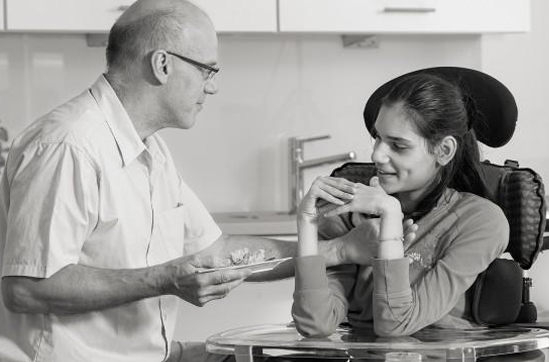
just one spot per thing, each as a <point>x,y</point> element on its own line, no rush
<point>528,311</point>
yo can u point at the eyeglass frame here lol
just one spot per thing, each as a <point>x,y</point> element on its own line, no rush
<point>211,70</point>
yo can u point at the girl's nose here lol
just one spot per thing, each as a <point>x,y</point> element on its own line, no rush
<point>378,154</point>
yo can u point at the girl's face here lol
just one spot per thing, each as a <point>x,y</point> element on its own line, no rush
<point>404,165</point>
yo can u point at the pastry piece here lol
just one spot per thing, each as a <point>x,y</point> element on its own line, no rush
<point>244,256</point>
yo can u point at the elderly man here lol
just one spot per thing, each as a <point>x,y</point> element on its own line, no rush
<point>99,235</point>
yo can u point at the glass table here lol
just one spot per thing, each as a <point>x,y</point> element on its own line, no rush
<point>284,343</point>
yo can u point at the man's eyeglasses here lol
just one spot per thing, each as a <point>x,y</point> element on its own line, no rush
<point>208,70</point>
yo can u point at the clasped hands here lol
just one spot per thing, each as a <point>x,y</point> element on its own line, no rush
<point>331,196</point>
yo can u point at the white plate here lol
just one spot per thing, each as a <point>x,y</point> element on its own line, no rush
<point>256,267</point>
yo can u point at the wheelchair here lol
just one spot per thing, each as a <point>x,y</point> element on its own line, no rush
<point>501,294</point>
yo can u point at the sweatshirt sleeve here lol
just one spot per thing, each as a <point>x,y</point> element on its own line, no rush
<point>475,236</point>
<point>320,296</point>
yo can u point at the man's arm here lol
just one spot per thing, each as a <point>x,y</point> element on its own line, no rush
<point>337,251</point>
<point>358,246</point>
<point>79,289</point>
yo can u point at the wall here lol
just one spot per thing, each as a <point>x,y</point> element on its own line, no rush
<point>271,88</point>
<point>274,87</point>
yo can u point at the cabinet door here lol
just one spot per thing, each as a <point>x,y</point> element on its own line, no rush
<point>241,15</point>
<point>97,16</point>
<point>1,14</point>
<point>404,16</point>
<point>64,15</point>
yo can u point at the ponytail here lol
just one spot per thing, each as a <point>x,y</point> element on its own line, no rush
<point>467,177</point>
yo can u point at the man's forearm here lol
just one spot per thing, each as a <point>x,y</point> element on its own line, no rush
<point>274,248</point>
<point>79,289</point>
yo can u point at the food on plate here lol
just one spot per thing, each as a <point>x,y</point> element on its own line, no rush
<point>245,256</point>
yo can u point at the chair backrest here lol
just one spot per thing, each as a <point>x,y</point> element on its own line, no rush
<point>521,195</point>
<point>518,191</point>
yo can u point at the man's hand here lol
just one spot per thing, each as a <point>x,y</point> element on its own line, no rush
<point>189,284</point>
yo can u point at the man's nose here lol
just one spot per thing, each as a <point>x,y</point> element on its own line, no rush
<point>211,86</point>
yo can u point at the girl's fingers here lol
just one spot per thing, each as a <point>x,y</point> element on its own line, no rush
<point>409,237</point>
<point>328,196</point>
<point>410,229</point>
<point>326,208</point>
<point>338,183</point>
<point>335,193</point>
<point>338,210</point>
<point>374,182</point>
<point>409,225</point>
<point>325,191</point>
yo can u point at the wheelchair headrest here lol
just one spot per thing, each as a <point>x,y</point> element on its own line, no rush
<point>492,99</point>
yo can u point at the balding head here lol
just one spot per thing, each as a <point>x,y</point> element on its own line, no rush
<point>143,8</point>
<point>148,25</point>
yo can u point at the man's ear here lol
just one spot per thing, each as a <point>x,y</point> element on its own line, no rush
<point>446,150</point>
<point>160,65</point>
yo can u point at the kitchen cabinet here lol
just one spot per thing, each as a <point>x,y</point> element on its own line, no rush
<point>301,16</point>
<point>239,16</point>
<point>404,16</point>
<point>1,15</point>
<point>63,15</point>
<point>97,16</point>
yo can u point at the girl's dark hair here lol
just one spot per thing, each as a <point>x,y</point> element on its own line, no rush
<point>438,108</point>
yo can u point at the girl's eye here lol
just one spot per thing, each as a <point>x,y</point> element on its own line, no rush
<point>399,147</point>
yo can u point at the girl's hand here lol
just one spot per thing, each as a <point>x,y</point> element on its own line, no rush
<point>410,229</point>
<point>371,200</point>
<point>360,244</point>
<point>333,190</point>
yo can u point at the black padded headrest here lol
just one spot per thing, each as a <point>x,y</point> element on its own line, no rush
<point>493,100</point>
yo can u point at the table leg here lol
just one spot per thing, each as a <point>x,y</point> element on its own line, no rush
<point>243,354</point>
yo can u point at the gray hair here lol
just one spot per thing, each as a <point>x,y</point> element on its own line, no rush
<point>129,42</point>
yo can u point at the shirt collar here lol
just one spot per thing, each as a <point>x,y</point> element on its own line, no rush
<point>129,144</point>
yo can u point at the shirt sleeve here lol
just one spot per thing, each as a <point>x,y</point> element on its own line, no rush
<point>52,209</point>
<point>201,229</point>
<point>320,297</point>
<point>480,235</point>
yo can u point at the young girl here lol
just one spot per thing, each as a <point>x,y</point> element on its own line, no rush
<point>427,162</point>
